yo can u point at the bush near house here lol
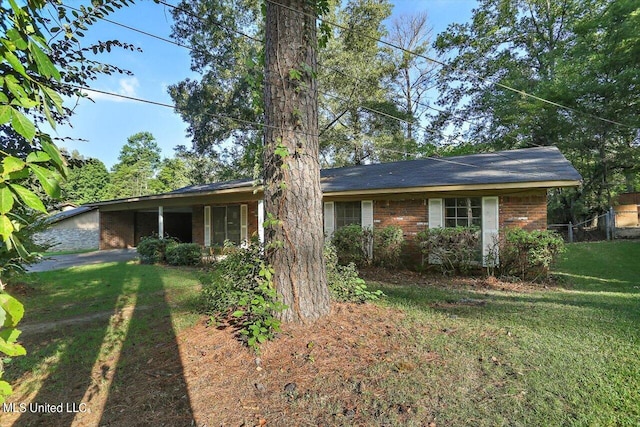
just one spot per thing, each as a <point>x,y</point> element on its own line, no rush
<point>388,244</point>
<point>344,281</point>
<point>183,254</point>
<point>455,250</point>
<point>154,250</point>
<point>352,244</point>
<point>527,255</point>
<point>363,246</point>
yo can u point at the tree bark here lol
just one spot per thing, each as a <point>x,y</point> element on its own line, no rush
<point>292,194</point>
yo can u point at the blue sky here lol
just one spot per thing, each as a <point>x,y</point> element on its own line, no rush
<point>106,123</point>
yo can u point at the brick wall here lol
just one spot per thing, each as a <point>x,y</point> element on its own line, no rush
<point>116,230</point>
<point>146,225</point>
<point>527,211</point>
<point>410,215</point>
<point>197,225</point>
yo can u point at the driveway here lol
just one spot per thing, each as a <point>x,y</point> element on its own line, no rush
<point>64,261</point>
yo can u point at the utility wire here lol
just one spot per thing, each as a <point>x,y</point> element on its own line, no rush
<point>447,66</point>
<point>372,110</point>
<point>259,126</point>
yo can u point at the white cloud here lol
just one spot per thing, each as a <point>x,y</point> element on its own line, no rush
<point>126,86</point>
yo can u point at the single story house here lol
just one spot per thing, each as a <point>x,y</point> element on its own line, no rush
<point>72,229</point>
<point>490,190</point>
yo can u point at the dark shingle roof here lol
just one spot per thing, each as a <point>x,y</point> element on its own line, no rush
<point>515,166</point>
<point>529,165</point>
<point>69,213</point>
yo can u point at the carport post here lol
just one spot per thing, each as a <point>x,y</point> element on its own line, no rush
<point>161,222</point>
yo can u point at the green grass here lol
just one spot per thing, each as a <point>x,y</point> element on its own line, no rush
<point>160,301</point>
<point>567,356</point>
<point>69,252</point>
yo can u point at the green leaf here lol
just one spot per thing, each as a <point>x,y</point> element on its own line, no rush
<point>29,197</point>
<point>55,98</point>
<point>15,63</point>
<point>54,153</point>
<point>38,157</point>
<point>6,199</point>
<point>22,125</point>
<point>6,227</point>
<point>12,349</point>
<point>44,64</point>
<point>12,164</point>
<point>5,114</point>
<point>238,313</point>
<point>13,308</point>
<point>48,179</point>
<point>10,335</point>
<point>5,390</point>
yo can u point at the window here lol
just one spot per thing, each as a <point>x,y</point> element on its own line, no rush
<point>463,212</point>
<point>225,224</point>
<point>348,213</point>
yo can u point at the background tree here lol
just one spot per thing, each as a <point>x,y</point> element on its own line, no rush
<point>354,79</point>
<point>138,163</point>
<point>229,64</point>
<point>413,75</point>
<point>172,174</point>
<point>580,54</point>
<point>87,181</point>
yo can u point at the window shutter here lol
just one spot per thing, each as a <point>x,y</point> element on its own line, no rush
<point>490,227</point>
<point>436,213</point>
<point>367,214</point>
<point>329,219</point>
<point>366,210</point>
<point>207,225</point>
<point>261,220</point>
<point>244,213</point>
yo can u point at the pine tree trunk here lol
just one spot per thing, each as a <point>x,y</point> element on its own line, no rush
<point>293,198</point>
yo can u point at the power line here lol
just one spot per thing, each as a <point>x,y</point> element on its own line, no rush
<point>446,66</point>
<point>259,126</point>
<point>372,110</point>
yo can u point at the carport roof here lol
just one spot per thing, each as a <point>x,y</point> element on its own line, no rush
<point>540,167</point>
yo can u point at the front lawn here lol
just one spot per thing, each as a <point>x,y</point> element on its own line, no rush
<point>443,351</point>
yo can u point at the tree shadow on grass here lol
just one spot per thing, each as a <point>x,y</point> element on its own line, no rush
<point>120,370</point>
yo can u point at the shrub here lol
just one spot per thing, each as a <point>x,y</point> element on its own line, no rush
<point>527,255</point>
<point>183,254</point>
<point>240,291</point>
<point>454,249</point>
<point>353,244</point>
<point>152,249</point>
<point>387,246</point>
<point>344,283</point>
